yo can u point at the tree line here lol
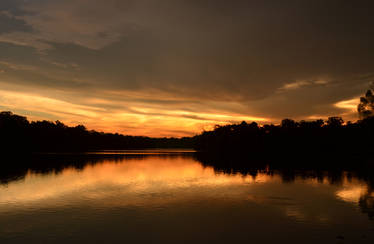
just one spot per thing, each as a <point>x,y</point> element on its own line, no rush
<point>333,135</point>
<point>20,135</point>
<point>315,136</point>
<point>306,138</point>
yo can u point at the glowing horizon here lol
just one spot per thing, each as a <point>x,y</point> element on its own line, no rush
<point>171,123</point>
<point>96,118</point>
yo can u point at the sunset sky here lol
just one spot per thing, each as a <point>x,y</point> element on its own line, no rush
<point>177,67</point>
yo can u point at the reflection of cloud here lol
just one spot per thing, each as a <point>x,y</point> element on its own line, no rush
<point>136,179</point>
<point>351,193</point>
<point>158,181</point>
<point>294,212</point>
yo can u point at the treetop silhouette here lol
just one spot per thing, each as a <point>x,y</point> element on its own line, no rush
<point>366,106</point>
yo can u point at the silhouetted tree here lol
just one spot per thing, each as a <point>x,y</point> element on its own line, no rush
<point>366,106</point>
<point>316,124</point>
<point>335,122</point>
<point>289,123</point>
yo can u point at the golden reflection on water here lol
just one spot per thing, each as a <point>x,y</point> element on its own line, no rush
<point>131,177</point>
<point>352,193</point>
<point>153,180</point>
<point>174,197</point>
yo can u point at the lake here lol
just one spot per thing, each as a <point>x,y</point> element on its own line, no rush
<point>170,196</point>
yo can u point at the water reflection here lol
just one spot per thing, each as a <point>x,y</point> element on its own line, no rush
<point>180,197</point>
<point>106,178</point>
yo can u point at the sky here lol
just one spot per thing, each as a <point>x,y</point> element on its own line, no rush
<point>178,67</point>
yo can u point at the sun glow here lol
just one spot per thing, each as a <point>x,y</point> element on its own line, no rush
<point>349,105</point>
<point>131,118</point>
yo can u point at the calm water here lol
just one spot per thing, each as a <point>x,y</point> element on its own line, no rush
<point>158,197</point>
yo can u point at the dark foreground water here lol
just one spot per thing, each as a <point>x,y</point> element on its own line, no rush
<point>156,197</point>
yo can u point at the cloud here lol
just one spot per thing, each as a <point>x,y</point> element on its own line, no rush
<point>134,117</point>
<point>302,83</point>
<point>6,14</point>
<point>246,59</point>
<point>17,66</point>
<point>10,23</point>
<point>79,22</point>
<point>349,108</point>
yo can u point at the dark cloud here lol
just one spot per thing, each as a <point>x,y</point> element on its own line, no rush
<point>9,23</point>
<point>12,6</point>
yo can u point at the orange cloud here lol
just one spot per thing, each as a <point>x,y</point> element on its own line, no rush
<point>135,119</point>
